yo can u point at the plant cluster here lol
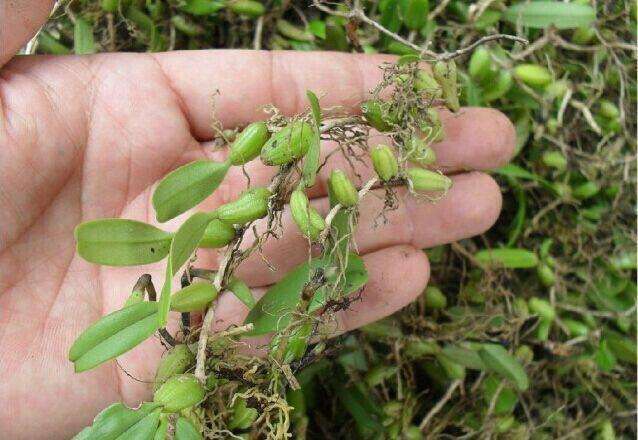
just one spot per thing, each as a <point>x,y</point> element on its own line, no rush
<point>206,385</point>
<point>553,282</point>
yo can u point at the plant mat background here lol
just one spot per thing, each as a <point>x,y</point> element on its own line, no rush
<point>569,214</point>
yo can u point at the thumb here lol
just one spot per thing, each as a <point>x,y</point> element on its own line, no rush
<point>19,21</point>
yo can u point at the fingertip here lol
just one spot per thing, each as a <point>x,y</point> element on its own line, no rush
<point>475,138</point>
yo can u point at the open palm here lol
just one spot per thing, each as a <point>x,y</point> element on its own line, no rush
<point>88,137</point>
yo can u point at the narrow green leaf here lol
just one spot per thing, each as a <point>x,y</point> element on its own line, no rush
<point>362,409</point>
<point>202,7</point>
<point>121,242</point>
<point>274,309</point>
<point>83,42</point>
<point>186,187</point>
<point>516,227</point>
<point>109,325</point>
<point>144,429</point>
<point>507,258</point>
<point>464,356</point>
<point>512,170</point>
<point>115,420</point>
<point>311,159</point>
<point>498,360</point>
<point>506,400</point>
<point>117,344</point>
<point>242,292</point>
<point>184,430</point>
<point>184,244</point>
<point>541,14</point>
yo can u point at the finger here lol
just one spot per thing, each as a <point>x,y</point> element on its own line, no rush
<point>397,275</point>
<point>19,21</point>
<point>476,138</point>
<point>239,83</point>
<point>470,207</point>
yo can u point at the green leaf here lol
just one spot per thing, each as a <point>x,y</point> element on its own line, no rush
<point>202,7</point>
<point>110,339</point>
<point>362,408</point>
<point>318,28</point>
<point>311,160</point>
<point>516,227</point>
<point>507,258</point>
<point>541,14</point>
<point>121,242</point>
<point>186,187</point>
<point>604,357</point>
<point>498,360</point>
<point>273,310</point>
<point>184,244</point>
<point>144,429</point>
<point>242,292</point>
<point>506,400</point>
<point>184,430</point>
<point>109,325</point>
<point>464,356</point>
<point>512,170</point>
<point>83,42</point>
<point>115,420</point>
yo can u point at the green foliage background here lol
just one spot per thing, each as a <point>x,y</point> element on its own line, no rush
<point>565,303</point>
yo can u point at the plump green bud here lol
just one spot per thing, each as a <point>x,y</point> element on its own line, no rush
<point>480,68</point>
<point>110,5</point>
<point>179,392</point>
<point>557,89</point>
<point>243,416</point>
<point>248,8</point>
<point>378,115</point>
<point>420,152</point>
<point>445,74</point>
<point>194,298</point>
<point>426,180</point>
<point>585,190</point>
<point>249,142</point>
<point>434,298</point>
<point>218,234</point>
<point>343,189</point>
<point>418,348</point>
<point>542,308</point>
<point>575,328</point>
<point>605,430</point>
<point>533,75</point>
<point>289,30</point>
<point>288,144</point>
<point>425,83</point>
<point>546,275</point>
<point>583,35</point>
<point>452,369</point>
<point>608,109</point>
<point>554,159</point>
<point>499,87</point>
<point>307,219</point>
<point>384,162</point>
<point>176,361</point>
<point>251,205</point>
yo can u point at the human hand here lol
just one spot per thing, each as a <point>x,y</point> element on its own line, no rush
<point>88,137</point>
